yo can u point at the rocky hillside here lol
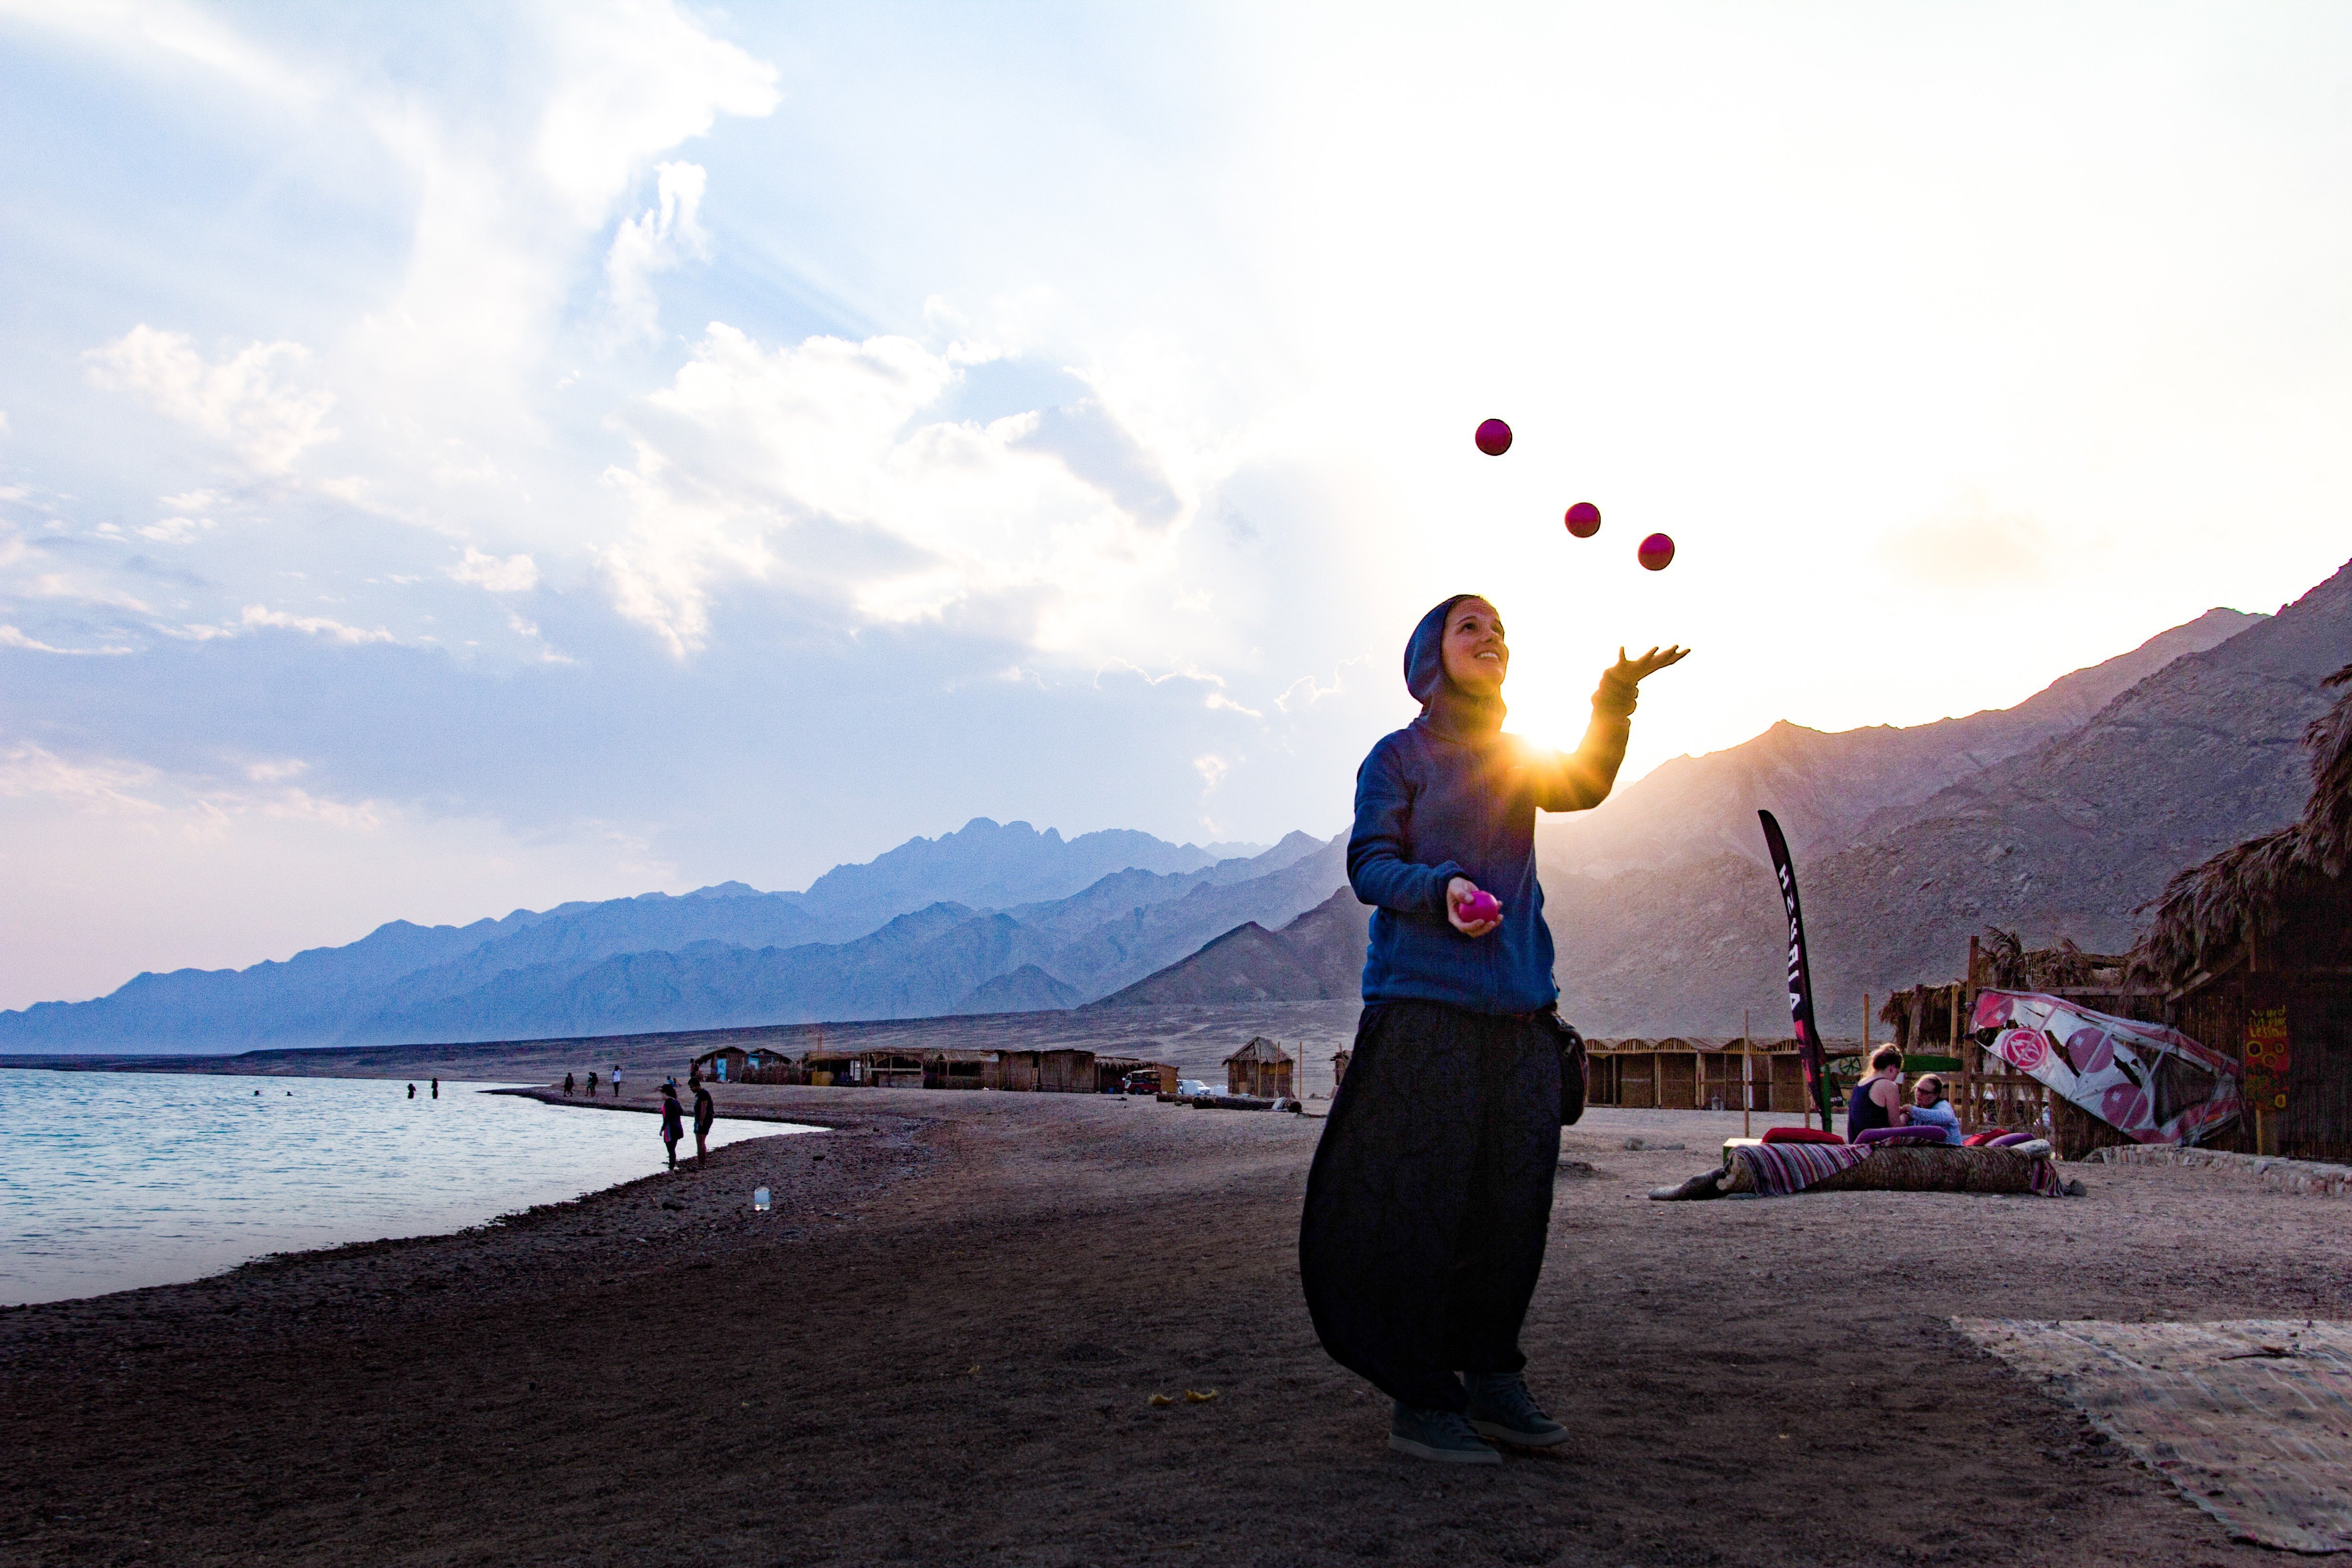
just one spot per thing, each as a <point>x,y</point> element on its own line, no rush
<point>1826,789</point>
<point>1318,957</point>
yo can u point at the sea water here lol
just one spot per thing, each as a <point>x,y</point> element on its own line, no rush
<point>109,1181</point>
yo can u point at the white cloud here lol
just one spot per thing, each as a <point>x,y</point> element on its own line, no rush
<point>12,637</point>
<point>1213,770</point>
<point>176,530</point>
<point>242,400</point>
<point>316,625</point>
<point>637,76</point>
<point>654,241</point>
<point>105,785</point>
<point>514,574</point>
<point>899,519</point>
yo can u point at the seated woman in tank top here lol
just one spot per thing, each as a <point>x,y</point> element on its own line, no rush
<point>1878,1100</point>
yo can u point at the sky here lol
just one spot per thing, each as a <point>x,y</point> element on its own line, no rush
<point>457,458</point>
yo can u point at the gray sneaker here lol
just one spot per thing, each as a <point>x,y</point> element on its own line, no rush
<point>1440,1435</point>
<point>1501,1409</point>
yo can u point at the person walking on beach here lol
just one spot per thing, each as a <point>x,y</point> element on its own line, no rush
<point>567,1083</point>
<point>591,1083</point>
<point>704,1113</point>
<point>1430,1194</point>
<point>616,1080</point>
<point>673,1122</point>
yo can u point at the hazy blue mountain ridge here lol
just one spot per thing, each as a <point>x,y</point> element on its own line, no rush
<point>938,960</point>
<point>585,967</point>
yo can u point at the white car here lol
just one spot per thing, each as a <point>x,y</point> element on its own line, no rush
<point>1192,1088</point>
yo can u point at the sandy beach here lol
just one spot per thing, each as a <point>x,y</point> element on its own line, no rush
<point>941,1347</point>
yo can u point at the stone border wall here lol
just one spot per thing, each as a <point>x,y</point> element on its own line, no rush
<point>2286,1175</point>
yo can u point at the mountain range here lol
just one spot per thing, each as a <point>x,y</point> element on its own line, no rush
<point>2055,817</point>
<point>892,938</point>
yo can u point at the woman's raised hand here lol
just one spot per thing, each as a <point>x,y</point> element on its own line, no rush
<point>1631,670</point>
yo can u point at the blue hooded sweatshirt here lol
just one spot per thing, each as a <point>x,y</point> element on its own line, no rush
<point>1451,795</point>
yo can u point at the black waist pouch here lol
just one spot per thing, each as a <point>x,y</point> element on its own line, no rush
<point>1572,1068</point>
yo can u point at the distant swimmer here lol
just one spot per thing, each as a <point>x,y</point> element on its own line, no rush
<point>704,1113</point>
<point>436,1089</point>
<point>412,1091</point>
<point>673,1126</point>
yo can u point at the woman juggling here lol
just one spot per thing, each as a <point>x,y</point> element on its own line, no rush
<point>1431,1191</point>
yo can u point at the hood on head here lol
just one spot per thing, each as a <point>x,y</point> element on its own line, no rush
<point>1424,652</point>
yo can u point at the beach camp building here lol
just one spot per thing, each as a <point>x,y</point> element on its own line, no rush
<point>1063,1071</point>
<point>2254,949</point>
<point>956,1068</point>
<point>1678,1074</point>
<point>725,1065</point>
<point>1260,1069</point>
<point>1111,1073</point>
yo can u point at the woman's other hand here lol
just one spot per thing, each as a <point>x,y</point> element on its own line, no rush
<point>1460,891</point>
<point>1630,672</point>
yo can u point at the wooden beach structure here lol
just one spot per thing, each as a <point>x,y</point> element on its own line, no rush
<point>2252,952</point>
<point>1260,1071</point>
<point>1678,1073</point>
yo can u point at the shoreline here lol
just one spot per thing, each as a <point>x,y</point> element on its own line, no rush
<point>985,1290</point>
<point>224,1261</point>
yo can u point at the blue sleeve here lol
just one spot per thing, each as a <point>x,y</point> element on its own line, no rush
<point>1377,868</point>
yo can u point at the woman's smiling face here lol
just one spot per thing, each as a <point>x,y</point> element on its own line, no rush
<point>1476,658</point>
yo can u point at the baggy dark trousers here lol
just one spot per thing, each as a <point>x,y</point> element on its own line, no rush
<point>1430,1197</point>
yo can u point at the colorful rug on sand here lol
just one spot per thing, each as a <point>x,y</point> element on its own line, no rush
<point>2252,1420</point>
<point>1778,1170</point>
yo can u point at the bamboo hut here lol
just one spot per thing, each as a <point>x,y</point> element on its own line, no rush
<point>1260,1069</point>
<point>1678,1074</point>
<point>2254,950</point>
<point>1111,1074</point>
<point>1063,1071</point>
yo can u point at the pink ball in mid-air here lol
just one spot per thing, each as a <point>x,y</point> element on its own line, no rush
<point>1494,437</point>
<point>1584,520</point>
<point>1656,552</point>
<point>1480,906</point>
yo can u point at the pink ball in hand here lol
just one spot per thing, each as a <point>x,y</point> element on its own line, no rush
<point>1480,906</point>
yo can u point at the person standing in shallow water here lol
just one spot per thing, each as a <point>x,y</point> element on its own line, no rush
<point>1430,1194</point>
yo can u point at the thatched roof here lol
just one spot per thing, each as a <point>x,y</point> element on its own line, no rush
<point>2207,913</point>
<point>2016,967</point>
<point>1259,1050</point>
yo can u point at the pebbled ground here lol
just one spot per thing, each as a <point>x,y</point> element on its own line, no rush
<point>940,1348</point>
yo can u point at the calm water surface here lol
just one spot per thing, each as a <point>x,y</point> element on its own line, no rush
<point>109,1181</point>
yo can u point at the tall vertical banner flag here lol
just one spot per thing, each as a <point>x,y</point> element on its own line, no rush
<point>1801,975</point>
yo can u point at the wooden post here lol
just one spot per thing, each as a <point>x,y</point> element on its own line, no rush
<point>1746,1074</point>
